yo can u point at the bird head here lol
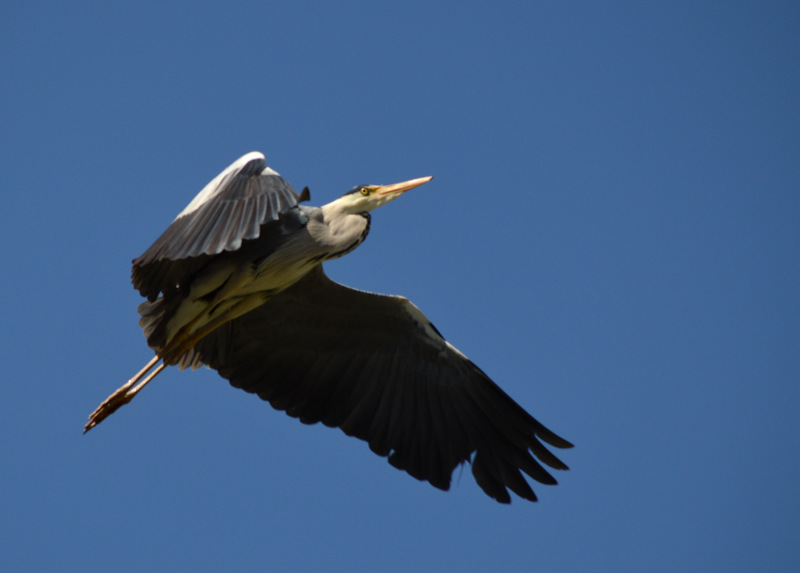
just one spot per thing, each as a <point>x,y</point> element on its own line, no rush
<point>365,198</point>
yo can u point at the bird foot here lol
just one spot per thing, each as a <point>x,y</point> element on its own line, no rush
<point>108,407</point>
<point>123,394</point>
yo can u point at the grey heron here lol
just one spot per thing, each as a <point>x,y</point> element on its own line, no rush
<point>236,283</point>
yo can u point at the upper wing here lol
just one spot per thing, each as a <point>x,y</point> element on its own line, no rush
<point>374,366</point>
<point>230,209</point>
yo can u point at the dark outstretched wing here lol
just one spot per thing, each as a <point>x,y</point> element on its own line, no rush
<point>230,209</point>
<point>375,367</point>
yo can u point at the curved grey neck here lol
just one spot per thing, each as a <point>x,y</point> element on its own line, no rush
<point>338,232</point>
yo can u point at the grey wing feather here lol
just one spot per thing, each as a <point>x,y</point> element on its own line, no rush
<point>230,209</point>
<point>375,367</point>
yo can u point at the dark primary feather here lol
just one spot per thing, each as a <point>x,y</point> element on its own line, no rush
<point>367,364</point>
<point>237,203</point>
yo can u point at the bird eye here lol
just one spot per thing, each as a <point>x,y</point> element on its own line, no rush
<point>365,191</point>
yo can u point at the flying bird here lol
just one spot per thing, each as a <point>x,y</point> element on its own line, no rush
<point>236,283</point>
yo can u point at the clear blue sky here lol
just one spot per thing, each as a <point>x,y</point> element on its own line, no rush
<point>613,234</point>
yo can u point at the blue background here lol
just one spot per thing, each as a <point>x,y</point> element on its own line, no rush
<point>613,234</point>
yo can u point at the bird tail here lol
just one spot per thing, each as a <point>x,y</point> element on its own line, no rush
<point>153,322</point>
<point>155,316</point>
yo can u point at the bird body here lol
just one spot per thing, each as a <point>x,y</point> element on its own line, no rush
<point>236,283</point>
<point>233,283</point>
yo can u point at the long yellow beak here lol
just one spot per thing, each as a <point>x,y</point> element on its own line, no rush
<point>397,188</point>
